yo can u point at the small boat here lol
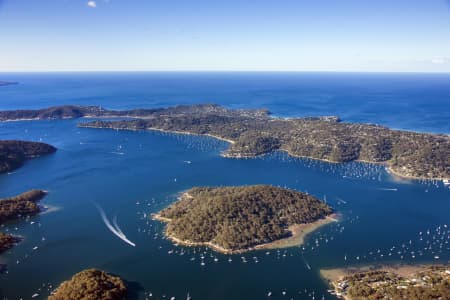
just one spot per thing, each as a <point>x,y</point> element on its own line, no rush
<point>35,295</point>
<point>35,247</point>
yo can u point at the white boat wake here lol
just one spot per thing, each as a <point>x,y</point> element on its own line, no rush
<point>114,229</point>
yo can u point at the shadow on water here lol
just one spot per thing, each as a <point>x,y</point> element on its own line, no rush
<point>134,289</point>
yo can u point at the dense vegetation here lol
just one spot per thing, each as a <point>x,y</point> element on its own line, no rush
<point>255,132</point>
<point>433,283</point>
<point>91,284</point>
<point>76,111</point>
<point>20,206</point>
<point>236,218</point>
<point>14,153</point>
<point>54,112</point>
<point>7,241</point>
<point>16,207</point>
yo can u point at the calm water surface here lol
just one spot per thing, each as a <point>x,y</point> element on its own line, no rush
<point>132,174</point>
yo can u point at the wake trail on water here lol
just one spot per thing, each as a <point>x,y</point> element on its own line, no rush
<point>114,229</point>
<point>117,226</point>
<point>306,263</point>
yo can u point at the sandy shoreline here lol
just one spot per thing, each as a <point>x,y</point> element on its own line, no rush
<point>190,133</point>
<point>395,173</point>
<point>298,235</point>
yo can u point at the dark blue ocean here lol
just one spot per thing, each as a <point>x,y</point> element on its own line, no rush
<point>133,174</point>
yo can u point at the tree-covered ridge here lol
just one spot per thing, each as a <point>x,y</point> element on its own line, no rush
<point>16,207</point>
<point>77,111</point>
<point>238,218</point>
<point>14,153</point>
<point>91,284</point>
<point>7,241</point>
<point>254,133</point>
<point>432,283</point>
<point>21,205</point>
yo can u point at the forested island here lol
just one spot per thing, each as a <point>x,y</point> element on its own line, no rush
<point>14,153</point>
<point>255,132</point>
<point>17,207</point>
<point>242,218</point>
<point>91,284</point>
<point>403,282</point>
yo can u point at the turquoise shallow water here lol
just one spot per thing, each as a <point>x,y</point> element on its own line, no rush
<point>132,174</point>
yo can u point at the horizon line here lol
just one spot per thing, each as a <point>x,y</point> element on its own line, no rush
<point>223,71</point>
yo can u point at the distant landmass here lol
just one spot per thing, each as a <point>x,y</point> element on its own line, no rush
<point>397,282</point>
<point>91,284</point>
<point>14,153</point>
<point>237,219</point>
<point>75,111</point>
<point>255,132</point>
<point>5,83</point>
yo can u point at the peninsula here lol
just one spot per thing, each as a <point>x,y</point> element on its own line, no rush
<point>91,284</point>
<point>76,111</point>
<point>22,205</point>
<point>255,132</point>
<point>390,282</point>
<point>16,207</point>
<point>252,133</point>
<point>14,153</point>
<point>242,218</point>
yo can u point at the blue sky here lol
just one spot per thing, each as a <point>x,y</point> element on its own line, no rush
<point>255,35</point>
